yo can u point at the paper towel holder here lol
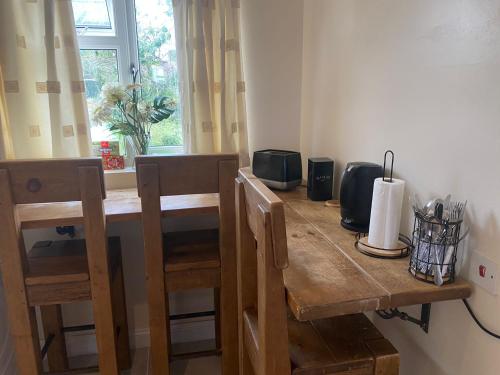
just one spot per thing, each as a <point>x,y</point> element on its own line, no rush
<point>392,165</point>
<point>401,251</point>
<point>403,244</point>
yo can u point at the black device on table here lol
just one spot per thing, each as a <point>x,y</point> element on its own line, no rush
<point>278,169</point>
<point>356,192</point>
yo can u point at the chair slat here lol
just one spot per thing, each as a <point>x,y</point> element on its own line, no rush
<point>186,174</point>
<point>48,180</point>
<point>264,219</point>
<point>257,194</point>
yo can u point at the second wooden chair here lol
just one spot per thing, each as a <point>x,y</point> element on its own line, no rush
<point>189,260</point>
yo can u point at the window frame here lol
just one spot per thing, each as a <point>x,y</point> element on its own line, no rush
<point>98,31</point>
<point>124,41</point>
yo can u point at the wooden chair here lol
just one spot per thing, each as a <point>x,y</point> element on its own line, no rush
<point>58,272</point>
<point>189,260</point>
<point>272,343</point>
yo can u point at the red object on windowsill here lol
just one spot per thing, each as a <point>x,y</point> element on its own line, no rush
<point>111,162</point>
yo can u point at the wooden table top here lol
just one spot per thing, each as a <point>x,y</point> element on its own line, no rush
<point>328,276</point>
<point>120,205</point>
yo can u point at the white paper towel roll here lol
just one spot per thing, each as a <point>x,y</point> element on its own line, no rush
<point>385,216</point>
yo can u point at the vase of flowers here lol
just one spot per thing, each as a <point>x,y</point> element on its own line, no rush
<point>124,112</point>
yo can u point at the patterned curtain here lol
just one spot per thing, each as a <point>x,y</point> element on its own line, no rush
<point>6,147</point>
<point>44,88</point>
<point>211,76</point>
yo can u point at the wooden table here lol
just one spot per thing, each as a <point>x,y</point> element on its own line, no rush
<point>120,205</point>
<point>328,276</point>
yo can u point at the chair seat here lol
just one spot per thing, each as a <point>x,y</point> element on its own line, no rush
<point>191,250</point>
<point>55,262</point>
<point>348,344</point>
<point>58,271</point>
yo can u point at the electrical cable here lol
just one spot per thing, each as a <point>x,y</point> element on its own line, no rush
<point>387,315</point>
<point>495,335</point>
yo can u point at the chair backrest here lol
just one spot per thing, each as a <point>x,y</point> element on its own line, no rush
<point>48,180</point>
<point>188,174</point>
<point>262,256</point>
<point>45,181</point>
<point>182,175</point>
<point>159,176</point>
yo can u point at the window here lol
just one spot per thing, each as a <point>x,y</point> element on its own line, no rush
<point>92,14</point>
<point>115,36</point>
<point>158,63</point>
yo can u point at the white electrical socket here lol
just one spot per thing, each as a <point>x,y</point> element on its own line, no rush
<point>483,272</point>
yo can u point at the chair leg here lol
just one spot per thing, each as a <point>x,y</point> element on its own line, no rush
<point>120,319</point>
<point>169,329</point>
<point>245,364</point>
<point>229,322</point>
<point>217,318</point>
<point>52,326</point>
<point>26,340</point>
<point>159,328</point>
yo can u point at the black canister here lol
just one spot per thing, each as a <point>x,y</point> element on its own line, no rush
<point>320,179</point>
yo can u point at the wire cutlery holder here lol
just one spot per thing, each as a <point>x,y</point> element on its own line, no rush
<point>434,249</point>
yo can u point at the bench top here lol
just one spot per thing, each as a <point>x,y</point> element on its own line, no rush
<point>328,276</point>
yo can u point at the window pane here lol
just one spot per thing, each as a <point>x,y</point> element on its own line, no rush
<point>158,65</point>
<point>100,66</point>
<point>92,14</point>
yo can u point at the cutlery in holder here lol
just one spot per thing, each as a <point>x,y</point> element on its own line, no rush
<point>434,248</point>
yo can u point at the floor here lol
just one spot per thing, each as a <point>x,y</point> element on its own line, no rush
<point>140,360</point>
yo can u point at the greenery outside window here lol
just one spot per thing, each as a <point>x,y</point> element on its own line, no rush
<point>117,35</point>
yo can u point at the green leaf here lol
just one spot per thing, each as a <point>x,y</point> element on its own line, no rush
<point>161,111</point>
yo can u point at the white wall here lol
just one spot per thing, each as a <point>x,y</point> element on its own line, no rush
<point>272,55</point>
<point>420,77</point>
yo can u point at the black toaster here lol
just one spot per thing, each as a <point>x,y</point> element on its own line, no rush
<point>278,169</point>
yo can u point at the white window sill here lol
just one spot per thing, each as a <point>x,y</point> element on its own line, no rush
<point>120,171</point>
<point>125,178</point>
<point>120,179</point>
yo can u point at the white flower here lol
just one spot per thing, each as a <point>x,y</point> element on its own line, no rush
<point>103,113</point>
<point>113,93</point>
<point>144,109</point>
<point>129,107</point>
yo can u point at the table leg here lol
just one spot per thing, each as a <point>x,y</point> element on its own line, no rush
<point>217,309</point>
<point>120,317</point>
<point>53,325</point>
